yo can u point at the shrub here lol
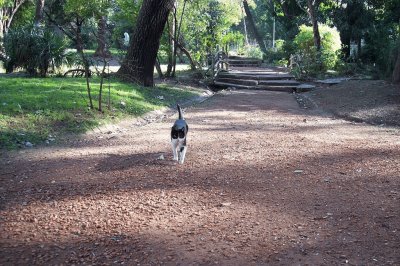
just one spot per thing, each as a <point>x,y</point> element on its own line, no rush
<point>253,52</point>
<point>277,56</point>
<point>381,50</point>
<point>34,49</point>
<point>312,62</point>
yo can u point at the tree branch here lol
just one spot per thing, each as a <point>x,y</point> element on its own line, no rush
<point>69,35</point>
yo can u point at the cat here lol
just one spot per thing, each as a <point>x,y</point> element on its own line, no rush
<point>178,137</point>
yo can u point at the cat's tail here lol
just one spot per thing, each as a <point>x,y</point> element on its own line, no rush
<point>179,111</point>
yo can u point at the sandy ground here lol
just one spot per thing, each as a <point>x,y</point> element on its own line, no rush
<point>265,182</point>
<point>372,101</point>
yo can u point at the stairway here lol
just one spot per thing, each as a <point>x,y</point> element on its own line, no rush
<point>237,61</point>
<point>246,73</point>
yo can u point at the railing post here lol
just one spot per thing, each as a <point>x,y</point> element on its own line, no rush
<point>212,66</point>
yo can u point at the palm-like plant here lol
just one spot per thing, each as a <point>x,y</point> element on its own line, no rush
<point>35,49</point>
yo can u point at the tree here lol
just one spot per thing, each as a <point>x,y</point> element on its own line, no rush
<point>138,65</point>
<point>352,19</point>
<point>70,16</point>
<point>250,20</point>
<point>396,70</point>
<point>102,49</point>
<point>8,9</point>
<point>39,11</point>
<point>312,9</point>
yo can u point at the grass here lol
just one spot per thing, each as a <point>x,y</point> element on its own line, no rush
<point>39,109</point>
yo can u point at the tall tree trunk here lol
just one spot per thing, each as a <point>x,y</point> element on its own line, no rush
<point>345,39</point>
<point>85,61</point>
<point>396,70</point>
<point>138,64</point>
<point>177,34</point>
<point>171,44</point>
<point>175,38</point>
<point>312,7</point>
<point>252,26</point>
<point>188,55</point>
<point>2,22</point>
<point>102,49</point>
<point>246,36</point>
<point>158,68</point>
<point>359,47</point>
<point>39,12</point>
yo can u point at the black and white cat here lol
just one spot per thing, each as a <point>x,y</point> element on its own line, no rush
<point>178,137</point>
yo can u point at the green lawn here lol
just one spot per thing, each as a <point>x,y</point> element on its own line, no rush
<point>37,109</point>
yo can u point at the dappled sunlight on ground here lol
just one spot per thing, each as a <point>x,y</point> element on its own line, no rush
<point>264,182</point>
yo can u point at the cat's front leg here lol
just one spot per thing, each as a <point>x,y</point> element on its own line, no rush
<point>182,154</point>
<point>174,144</point>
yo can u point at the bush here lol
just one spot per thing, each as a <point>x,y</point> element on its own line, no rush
<point>253,52</point>
<point>277,56</point>
<point>312,62</point>
<point>34,49</point>
<point>381,50</point>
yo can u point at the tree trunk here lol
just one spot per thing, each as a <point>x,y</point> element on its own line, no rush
<point>138,64</point>
<point>188,55</point>
<point>312,6</point>
<point>102,49</point>
<point>158,68</point>
<point>1,24</point>
<point>103,73</point>
<point>171,44</point>
<point>252,25</point>
<point>175,38</point>
<point>345,39</point>
<point>39,12</point>
<point>7,15</point>
<point>359,48</point>
<point>177,33</point>
<point>396,70</point>
<point>79,49</point>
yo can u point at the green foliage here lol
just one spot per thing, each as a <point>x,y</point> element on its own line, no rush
<point>123,18</point>
<point>277,56</point>
<point>310,61</point>
<point>34,49</point>
<point>232,38</point>
<point>86,9</point>
<point>253,52</point>
<point>33,108</point>
<point>24,16</point>
<point>206,25</point>
<point>381,49</point>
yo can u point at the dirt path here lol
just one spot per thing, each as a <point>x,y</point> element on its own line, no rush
<point>265,183</point>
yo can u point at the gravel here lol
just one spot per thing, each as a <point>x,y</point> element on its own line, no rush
<point>265,182</point>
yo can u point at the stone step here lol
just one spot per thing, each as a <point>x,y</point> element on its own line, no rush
<point>256,76</point>
<point>258,87</point>
<point>282,82</point>
<point>250,62</point>
<point>248,82</point>
<point>235,57</point>
<point>238,86</point>
<point>255,72</point>
<point>305,88</point>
